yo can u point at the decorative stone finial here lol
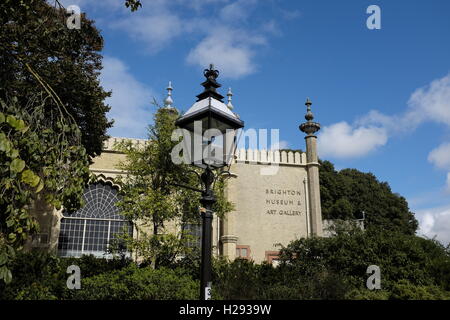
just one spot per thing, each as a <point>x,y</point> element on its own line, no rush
<point>229,94</point>
<point>168,101</point>
<point>309,115</point>
<point>309,127</point>
<point>308,103</point>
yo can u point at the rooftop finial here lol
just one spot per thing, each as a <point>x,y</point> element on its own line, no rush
<point>309,115</point>
<point>229,94</point>
<point>309,127</point>
<point>168,101</point>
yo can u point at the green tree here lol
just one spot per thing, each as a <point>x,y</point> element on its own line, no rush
<point>349,192</point>
<point>52,111</point>
<point>34,35</point>
<point>41,160</point>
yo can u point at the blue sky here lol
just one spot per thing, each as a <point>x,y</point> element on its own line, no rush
<point>382,96</point>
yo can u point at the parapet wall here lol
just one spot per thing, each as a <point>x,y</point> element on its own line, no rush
<point>271,156</point>
<point>108,145</point>
<point>253,156</point>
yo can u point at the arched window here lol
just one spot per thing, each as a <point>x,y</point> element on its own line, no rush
<point>92,229</point>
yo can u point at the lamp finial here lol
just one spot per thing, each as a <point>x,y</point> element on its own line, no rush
<point>210,84</point>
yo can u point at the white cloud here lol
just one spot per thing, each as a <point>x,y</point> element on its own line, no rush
<point>431,102</point>
<point>229,47</point>
<point>343,141</point>
<point>271,27</point>
<point>290,14</point>
<point>282,145</point>
<point>226,41</point>
<point>156,31</point>
<point>130,100</point>
<point>435,222</point>
<point>279,145</point>
<point>236,11</point>
<point>227,38</point>
<point>376,118</point>
<point>440,156</point>
<point>426,222</point>
<point>230,50</point>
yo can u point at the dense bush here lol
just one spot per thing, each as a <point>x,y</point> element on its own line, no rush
<point>190,263</point>
<point>419,262</point>
<point>36,275</point>
<point>91,265</point>
<point>313,268</point>
<point>35,291</point>
<point>404,290</point>
<point>242,279</point>
<point>42,276</point>
<point>133,283</point>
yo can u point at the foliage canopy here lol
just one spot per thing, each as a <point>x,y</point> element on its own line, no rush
<point>34,34</point>
<point>348,193</point>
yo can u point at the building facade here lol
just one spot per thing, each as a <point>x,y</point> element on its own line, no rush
<point>270,190</point>
<point>276,197</point>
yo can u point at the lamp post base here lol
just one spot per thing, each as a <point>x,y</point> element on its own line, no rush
<point>207,200</point>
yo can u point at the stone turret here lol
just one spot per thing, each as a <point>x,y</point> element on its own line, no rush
<point>315,209</point>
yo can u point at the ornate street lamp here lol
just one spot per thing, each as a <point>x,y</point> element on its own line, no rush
<point>210,140</point>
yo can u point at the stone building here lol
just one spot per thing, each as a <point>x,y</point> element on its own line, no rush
<point>276,197</point>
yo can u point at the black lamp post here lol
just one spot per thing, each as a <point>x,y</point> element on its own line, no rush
<point>210,142</point>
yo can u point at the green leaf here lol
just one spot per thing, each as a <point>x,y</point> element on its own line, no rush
<point>12,121</point>
<point>17,165</point>
<point>7,183</point>
<point>21,126</point>
<point>40,186</point>
<point>2,117</point>
<point>30,178</point>
<point>3,271</point>
<point>9,223</point>
<point>23,215</point>
<point>8,276</point>
<point>5,144</point>
<point>13,153</point>
<point>17,124</point>
<point>11,251</point>
<point>3,258</point>
<point>24,129</point>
